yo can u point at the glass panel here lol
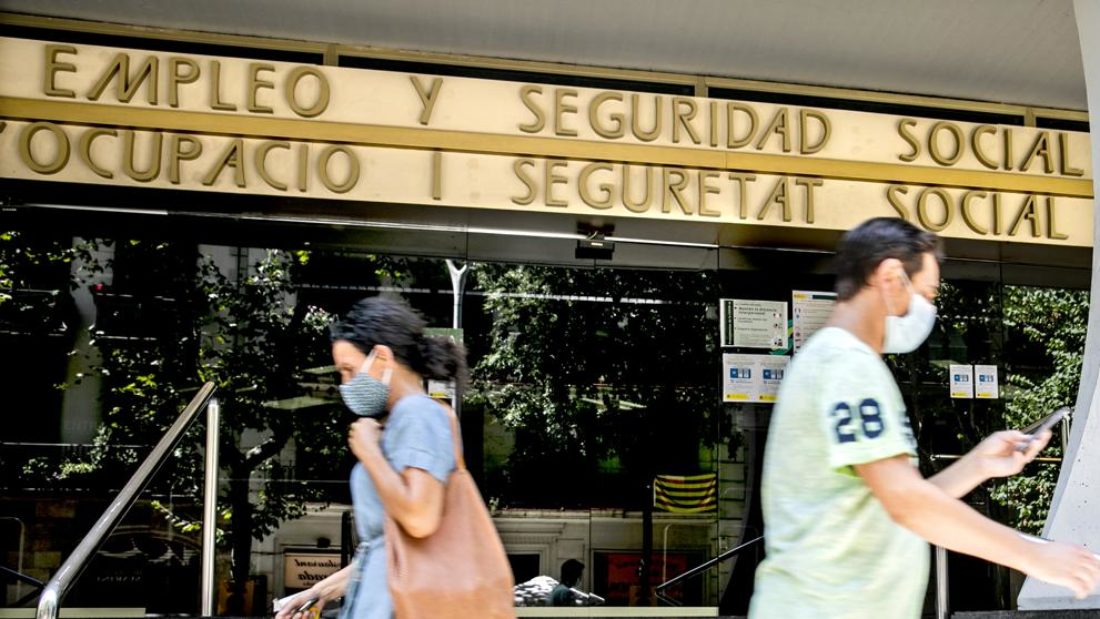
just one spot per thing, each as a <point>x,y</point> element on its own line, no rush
<point>589,381</point>
<point>592,382</point>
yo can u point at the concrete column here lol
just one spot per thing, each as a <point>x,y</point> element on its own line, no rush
<point>1075,511</point>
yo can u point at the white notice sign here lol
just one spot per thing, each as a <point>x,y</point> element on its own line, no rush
<point>752,378</point>
<point>962,381</point>
<point>747,323</point>
<point>811,310</point>
<point>772,370</point>
<point>985,382</point>
<point>738,384</point>
<point>303,569</point>
<point>443,389</point>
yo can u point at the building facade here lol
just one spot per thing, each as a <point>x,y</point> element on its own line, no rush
<point>630,257</point>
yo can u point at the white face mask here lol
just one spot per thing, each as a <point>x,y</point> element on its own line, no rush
<point>904,334</point>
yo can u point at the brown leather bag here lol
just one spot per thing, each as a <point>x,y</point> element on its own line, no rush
<point>459,571</point>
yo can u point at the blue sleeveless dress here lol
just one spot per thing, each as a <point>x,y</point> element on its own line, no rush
<point>417,434</point>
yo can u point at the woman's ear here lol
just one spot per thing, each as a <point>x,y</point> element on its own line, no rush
<point>383,353</point>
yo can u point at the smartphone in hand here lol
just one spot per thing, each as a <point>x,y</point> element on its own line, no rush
<point>1042,425</point>
<point>309,604</point>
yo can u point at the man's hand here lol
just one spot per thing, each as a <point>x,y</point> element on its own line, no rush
<point>1066,565</point>
<point>999,456</point>
<point>996,456</point>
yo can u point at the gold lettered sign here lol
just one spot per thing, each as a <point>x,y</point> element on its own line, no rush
<point>110,116</point>
<point>165,160</point>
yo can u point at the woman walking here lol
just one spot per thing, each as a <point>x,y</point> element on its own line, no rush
<point>384,358</point>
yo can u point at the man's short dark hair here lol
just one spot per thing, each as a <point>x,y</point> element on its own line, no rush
<point>864,247</point>
<point>571,572</point>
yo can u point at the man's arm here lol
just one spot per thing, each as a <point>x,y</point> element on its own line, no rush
<point>927,510</point>
<point>996,456</point>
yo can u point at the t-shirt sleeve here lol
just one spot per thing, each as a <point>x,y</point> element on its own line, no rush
<point>860,411</point>
<point>420,437</point>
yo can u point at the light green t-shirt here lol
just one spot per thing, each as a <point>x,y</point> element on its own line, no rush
<point>832,550</point>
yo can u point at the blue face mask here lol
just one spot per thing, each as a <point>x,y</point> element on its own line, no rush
<point>364,394</point>
<point>904,334</point>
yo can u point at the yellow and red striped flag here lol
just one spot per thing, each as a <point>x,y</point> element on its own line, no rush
<point>686,494</point>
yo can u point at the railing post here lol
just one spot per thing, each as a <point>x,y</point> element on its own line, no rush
<point>19,560</point>
<point>210,506</point>
<point>941,583</point>
<point>1065,437</point>
<point>58,586</point>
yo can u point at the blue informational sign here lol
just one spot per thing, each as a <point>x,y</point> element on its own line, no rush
<point>962,381</point>
<point>752,378</point>
<point>742,372</point>
<point>987,382</point>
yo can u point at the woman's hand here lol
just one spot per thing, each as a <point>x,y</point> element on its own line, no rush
<point>332,587</point>
<point>364,436</point>
<point>999,456</point>
<point>291,606</point>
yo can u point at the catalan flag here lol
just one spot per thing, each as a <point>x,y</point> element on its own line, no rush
<point>686,494</point>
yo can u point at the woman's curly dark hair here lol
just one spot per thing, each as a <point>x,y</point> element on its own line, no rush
<point>391,322</point>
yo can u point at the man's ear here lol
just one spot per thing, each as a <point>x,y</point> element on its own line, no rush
<point>888,274</point>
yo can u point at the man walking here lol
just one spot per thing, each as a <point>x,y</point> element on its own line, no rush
<point>847,515</point>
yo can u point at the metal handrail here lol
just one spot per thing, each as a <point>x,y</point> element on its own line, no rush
<point>19,577</point>
<point>14,575</point>
<point>58,586</point>
<point>699,569</point>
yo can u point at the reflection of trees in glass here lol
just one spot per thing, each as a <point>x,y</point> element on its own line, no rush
<point>169,320</point>
<point>606,377</point>
<point>38,320</point>
<point>36,275</point>
<point>1036,336</point>
<point>174,320</point>
<point>27,261</point>
<point>969,329</point>
<point>1054,321</point>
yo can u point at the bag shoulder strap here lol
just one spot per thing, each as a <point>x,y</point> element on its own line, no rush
<point>456,435</point>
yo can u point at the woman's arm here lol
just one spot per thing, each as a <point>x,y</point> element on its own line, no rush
<point>413,498</point>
